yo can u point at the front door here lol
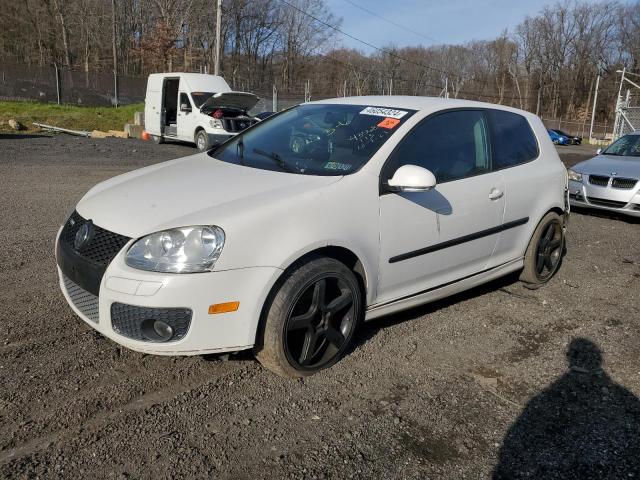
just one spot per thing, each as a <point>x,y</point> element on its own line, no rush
<point>186,119</point>
<point>429,239</point>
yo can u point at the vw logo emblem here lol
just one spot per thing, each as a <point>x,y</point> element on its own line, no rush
<point>83,235</point>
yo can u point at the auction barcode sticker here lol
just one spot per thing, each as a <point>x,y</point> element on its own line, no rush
<point>384,112</point>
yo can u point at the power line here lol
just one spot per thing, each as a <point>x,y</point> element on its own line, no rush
<point>431,39</point>
<point>383,50</point>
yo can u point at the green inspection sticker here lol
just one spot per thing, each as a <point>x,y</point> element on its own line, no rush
<point>338,166</point>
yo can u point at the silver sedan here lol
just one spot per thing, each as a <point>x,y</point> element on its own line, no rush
<point>609,181</point>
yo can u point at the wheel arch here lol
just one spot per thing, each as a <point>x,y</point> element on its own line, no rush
<point>198,129</point>
<point>343,254</point>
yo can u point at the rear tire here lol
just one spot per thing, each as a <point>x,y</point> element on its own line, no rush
<point>157,139</point>
<point>310,320</point>
<point>544,253</point>
<point>202,141</point>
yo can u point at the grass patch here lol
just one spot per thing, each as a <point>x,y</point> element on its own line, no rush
<point>67,116</point>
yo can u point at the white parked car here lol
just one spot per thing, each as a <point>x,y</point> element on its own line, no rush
<point>195,108</point>
<point>611,180</point>
<point>285,238</point>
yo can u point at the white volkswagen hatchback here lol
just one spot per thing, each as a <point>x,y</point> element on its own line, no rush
<point>286,237</point>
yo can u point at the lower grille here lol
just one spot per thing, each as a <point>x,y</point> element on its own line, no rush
<point>84,301</point>
<point>576,196</point>
<point>599,180</point>
<point>606,203</point>
<point>137,322</point>
<point>626,183</point>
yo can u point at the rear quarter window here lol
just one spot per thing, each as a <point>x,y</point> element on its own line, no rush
<point>512,139</point>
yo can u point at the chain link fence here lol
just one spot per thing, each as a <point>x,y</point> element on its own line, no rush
<point>46,84</point>
<point>629,121</point>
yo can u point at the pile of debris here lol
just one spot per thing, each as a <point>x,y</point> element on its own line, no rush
<point>131,130</point>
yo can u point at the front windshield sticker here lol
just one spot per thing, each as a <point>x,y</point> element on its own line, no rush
<point>384,112</point>
<point>338,166</point>
<point>389,123</point>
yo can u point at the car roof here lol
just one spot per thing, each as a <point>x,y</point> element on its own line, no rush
<point>417,103</point>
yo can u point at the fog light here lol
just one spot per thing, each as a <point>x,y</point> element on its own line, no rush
<point>163,330</point>
<point>156,330</point>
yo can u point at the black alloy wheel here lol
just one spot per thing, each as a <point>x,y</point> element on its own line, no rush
<point>549,252</point>
<point>319,323</point>
<point>310,318</point>
<point>545,251</point>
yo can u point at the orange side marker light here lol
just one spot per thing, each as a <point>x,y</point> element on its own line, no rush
<point>223,307</point>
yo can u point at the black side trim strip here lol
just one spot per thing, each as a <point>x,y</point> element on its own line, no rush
<point>442,285</point>
<point>458,241</point>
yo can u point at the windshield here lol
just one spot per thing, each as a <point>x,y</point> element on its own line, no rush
<point>628,146</point>
<point>200,97</point>
<point>318,139</point>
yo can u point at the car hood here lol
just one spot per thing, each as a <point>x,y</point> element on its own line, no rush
<point>195,190</point>
<point>240,100</point>
<point>610,164</point>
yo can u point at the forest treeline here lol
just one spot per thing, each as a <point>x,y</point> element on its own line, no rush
<point>546,64</point>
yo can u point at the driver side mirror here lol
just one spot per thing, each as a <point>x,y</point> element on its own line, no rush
<point>412,178</point>
<point>184,107</point>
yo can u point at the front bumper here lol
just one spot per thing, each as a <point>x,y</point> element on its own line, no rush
<point>605,198</point>
<point>206,333</point>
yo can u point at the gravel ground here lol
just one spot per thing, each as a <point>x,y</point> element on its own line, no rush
<point>500,380</point>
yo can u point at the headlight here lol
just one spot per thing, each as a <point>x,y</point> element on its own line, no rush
<point>575,176</point>
<point>215,123</point>
<point>180,250</point>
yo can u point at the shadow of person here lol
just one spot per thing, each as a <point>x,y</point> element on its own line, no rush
<point>583,426</point>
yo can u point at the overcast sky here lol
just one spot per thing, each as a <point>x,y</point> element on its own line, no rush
<point>441,21</point>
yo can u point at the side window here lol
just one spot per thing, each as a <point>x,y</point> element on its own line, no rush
<point>451,145</point>
<point>512,140</point>
<point>184,100</point>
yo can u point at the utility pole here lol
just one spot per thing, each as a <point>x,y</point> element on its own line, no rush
<point>55,64</point>
<point>216,68</point>
<point>274,99</point>
<point>593,112</point>
<point>115,52</point>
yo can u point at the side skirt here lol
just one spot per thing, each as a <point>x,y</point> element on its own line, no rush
<point>442,291</point>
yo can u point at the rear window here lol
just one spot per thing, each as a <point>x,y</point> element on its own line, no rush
<point>513,141</point>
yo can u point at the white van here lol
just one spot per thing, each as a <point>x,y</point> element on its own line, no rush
<point>195,108</point>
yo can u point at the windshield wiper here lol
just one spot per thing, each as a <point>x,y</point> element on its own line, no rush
<point>276,158</point>
<point>240,151</point>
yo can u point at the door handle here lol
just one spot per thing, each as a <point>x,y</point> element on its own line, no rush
<point>495,194</point>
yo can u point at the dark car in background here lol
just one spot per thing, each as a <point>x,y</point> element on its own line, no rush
<point>572,139</point>
<point>558,139</point>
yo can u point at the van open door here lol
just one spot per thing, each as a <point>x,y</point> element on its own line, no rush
<point>153,105</point>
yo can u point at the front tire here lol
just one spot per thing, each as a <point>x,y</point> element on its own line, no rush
<point>202,141</point>
<point>544,253</point>
<point>311,319</point>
